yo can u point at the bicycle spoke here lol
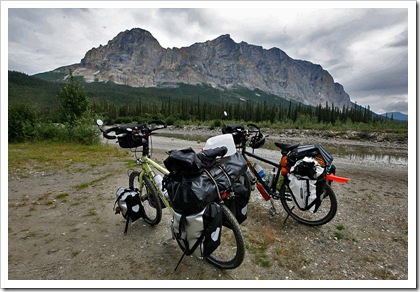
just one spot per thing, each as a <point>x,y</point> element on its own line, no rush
<point>149,198</point>
<point>231,251</point>
<point>323,215</point>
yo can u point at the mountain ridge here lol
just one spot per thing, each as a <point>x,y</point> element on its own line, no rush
<point>135,58</point>
<point>396,116</point>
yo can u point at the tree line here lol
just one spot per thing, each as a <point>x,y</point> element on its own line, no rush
<point>73,117</point>
<point>197,109</point>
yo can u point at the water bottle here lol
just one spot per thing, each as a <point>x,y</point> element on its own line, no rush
<point>158,179</point>
<point>261,172</point>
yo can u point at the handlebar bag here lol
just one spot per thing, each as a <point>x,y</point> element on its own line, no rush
<point>235,130</point>
<point>198,234</point>
<point>131,141</point>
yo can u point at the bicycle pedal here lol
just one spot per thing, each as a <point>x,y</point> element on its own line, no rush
<point>272,212</point>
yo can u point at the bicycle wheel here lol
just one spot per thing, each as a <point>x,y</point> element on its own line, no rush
<point>231,251</point>
<point>149,197</point>
<point>325,213</point>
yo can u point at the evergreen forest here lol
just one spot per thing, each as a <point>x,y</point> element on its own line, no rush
<point>187,104</point>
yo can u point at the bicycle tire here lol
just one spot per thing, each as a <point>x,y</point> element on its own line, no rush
<point>231,251</point>
<point>149,198</point>
<point>325,213</point>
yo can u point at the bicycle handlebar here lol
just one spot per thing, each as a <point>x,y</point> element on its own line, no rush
<point>159,125</point>
<point>254,126</point>
<point>123,130</point>
<point>105,133</point>
<point>237,129</point>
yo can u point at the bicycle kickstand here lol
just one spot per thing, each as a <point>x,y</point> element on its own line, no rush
<point>272,210</point>
<point>288,214</point>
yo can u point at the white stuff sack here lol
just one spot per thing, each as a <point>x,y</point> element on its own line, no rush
<point>303,191</point>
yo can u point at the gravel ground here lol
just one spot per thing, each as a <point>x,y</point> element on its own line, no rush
<point>80,237</point>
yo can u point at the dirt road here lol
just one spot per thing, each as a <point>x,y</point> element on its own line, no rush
<point>57,231</point>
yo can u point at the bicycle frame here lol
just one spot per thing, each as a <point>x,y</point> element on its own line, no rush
<point>146,164</point>
<point>275,180</point>
<point>271,190</point>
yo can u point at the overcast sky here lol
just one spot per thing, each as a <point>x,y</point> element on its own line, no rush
<point>364,49</point>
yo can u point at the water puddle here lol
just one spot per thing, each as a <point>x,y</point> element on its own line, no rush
<point>370,154</point>
<point>355,153</point>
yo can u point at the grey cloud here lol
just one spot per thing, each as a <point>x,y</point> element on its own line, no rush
<point>195,25</point>
<point>43,39</point>
<point>399,106</point>
<point>390,79</point>
<point>190,15</point>
<point>400,40</point>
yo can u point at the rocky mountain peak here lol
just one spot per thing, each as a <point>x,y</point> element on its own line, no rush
<point>224,38</point>
<point>134,36</point>
<point>135,58</point>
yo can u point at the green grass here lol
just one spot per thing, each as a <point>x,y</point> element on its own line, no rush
<point>86,185</point>
<point>258,246</point>
<point>61,196</point>
<point>43,156</point>
<point>339,234</point>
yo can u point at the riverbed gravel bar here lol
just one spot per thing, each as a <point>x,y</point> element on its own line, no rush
<point>59,231</point>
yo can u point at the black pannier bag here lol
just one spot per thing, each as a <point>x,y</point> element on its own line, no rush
<point>191,192</point>
<point>235,130</point>
<point>182,160</point>
<point>129,205</point>
<point>198,234</point>
<point>234,165</point>
<point>238,203</point>
<point>308,151</point>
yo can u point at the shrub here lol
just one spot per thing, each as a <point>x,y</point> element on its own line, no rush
<point>22,122</point>
<point>46,131</point>
<point>83,131</point>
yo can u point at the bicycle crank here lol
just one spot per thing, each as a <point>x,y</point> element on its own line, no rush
<point>272,211</point>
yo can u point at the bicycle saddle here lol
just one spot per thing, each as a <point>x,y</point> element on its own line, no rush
<point>286,147</point>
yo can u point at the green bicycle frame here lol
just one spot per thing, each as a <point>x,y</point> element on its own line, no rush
<point>146,162</point>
